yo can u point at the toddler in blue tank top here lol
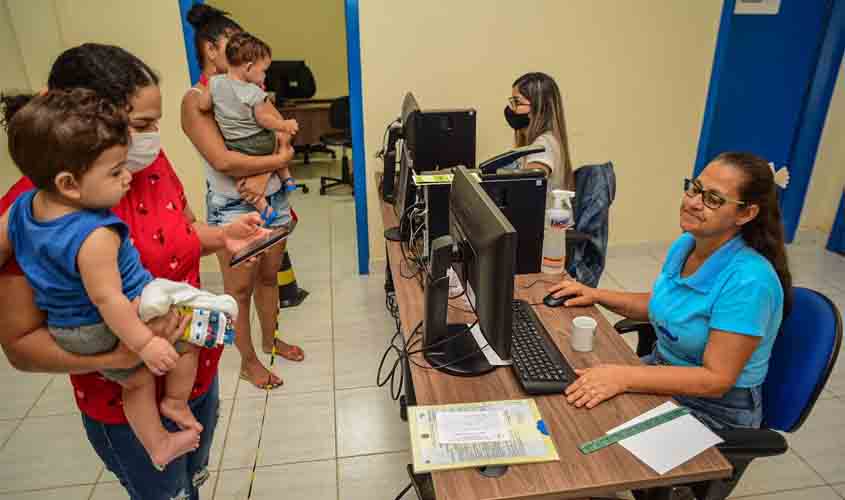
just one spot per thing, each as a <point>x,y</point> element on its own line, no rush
<point>85,272</point>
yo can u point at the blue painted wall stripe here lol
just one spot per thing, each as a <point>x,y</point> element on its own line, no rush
<point>188,30</point>
<point>836,242</point>
<point>701,158</point>
<point>356,98</point>
<point>815,111</point>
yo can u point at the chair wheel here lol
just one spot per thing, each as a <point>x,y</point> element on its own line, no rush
<point>305,189</point>
<point>322,190</point>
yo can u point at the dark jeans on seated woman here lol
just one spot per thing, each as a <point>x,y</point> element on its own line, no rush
<point>739,408</point>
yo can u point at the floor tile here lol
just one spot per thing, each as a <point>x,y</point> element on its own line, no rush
<point>242,435</point>
<point>7,427</point>
<point>72,493</point>
<point>634,273</point>
<point>820,493</point>
<point>313,374</point>
<point>357,358</point>
<point>368,422</point>
<point>113,490</point>
<point>298,427</point>
<point>840,488</point>
<point>57,399</point>
<point>360,477</point>
<point>37,455</point>
<point>220,434</point>
<point>821,440</point>
<point>784,472</point>
<point>20,392</point>
<point>310,480</point>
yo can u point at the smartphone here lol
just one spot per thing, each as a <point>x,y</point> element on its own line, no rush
<point>260,245</point>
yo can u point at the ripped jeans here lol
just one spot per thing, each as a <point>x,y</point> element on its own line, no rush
<point>123,454</point>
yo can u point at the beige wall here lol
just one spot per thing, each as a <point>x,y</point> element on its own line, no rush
<point>633,75</point>
<point>314,30</point>
<point>151,30</point>
<point>828,178</point>
<point>13,77</point>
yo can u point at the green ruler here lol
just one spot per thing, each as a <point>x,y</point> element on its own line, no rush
<point>615,437</point>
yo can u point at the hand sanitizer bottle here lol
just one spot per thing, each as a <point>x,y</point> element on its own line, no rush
<point>558,220</point>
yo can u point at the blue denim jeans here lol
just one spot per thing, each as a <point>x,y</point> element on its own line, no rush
<point>739,408</point>
<point>123,454</point>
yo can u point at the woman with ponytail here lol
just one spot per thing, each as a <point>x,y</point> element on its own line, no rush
<point>232,177</point>
<point>717,304</point>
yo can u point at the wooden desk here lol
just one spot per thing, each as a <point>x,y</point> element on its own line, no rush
<point>313,119</point>
<point>575,475</point>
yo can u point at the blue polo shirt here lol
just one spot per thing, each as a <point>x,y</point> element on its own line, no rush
<point>735,290</point>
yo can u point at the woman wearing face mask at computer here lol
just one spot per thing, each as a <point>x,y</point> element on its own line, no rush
<point>716,306</point>
<point>535,112</point>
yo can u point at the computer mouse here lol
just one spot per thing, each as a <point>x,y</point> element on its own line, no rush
<point>551,301</point>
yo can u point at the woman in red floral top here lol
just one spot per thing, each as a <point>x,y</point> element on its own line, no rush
<point>170,243</point>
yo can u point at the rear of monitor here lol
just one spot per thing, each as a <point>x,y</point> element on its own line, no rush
<point>485,243</point>
<point>441,139</point>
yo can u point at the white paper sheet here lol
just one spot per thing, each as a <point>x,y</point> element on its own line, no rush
<point>471,427</point>
<point>488,351</point>
<point>668,445</point>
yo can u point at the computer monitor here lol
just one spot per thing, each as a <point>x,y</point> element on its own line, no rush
<point>290,80</point>
<point>405,191</point>
<point>481,246</point>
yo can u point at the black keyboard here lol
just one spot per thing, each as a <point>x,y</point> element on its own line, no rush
<point>537,362</point>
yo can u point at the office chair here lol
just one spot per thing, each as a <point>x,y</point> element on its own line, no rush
<point>803,356</point>
<point>339,119</point>
<point>586,246</point>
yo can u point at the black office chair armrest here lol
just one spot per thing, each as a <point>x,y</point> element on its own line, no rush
<point>751,443</point>
<point>646,338</point>
<point>631,325</point>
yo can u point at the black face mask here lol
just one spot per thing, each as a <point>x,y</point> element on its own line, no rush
<point>515,120</point>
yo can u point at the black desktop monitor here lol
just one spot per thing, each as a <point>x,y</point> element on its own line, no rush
<point>482,248</point>
<point>405,191</point>
<point>290,80</point>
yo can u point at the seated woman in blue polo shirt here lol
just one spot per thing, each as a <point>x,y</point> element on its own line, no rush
<point>716,306</point>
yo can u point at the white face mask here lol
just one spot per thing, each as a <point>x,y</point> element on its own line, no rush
<point>143,150</point>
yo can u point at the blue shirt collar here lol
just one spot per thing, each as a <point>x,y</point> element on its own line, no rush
<point>703,279</point>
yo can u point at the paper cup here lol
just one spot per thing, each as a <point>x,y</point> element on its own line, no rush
<point>583,332</point>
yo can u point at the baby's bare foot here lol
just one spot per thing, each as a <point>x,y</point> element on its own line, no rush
<point>174,446</point>
<point>178,411</point>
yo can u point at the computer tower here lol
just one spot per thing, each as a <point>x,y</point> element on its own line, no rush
<point>519,194</point>
<point>441,139</point>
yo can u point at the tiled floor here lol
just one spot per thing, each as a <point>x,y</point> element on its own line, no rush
<point>330,433</point>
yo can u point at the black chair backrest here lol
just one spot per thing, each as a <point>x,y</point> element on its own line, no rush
<point>339,113</point>
<point>290,80</point>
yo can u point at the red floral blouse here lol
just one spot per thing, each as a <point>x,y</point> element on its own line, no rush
<point>169,248</point>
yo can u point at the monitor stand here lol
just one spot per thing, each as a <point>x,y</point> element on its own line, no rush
<point>450,348</point>
<point>392,234</point>
<point>459,353</point>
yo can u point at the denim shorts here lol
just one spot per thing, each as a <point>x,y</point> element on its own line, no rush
<point>739,408</point>
<point>222,210</point>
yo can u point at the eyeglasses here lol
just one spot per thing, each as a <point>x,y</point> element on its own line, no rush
<point>711,199</point>
<point>514,102</point>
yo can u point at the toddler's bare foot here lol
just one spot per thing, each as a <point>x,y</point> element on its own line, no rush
<point>178,411</point>
<point>174,446</point>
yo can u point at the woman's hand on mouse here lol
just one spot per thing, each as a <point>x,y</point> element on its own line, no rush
<point>577,293</point>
